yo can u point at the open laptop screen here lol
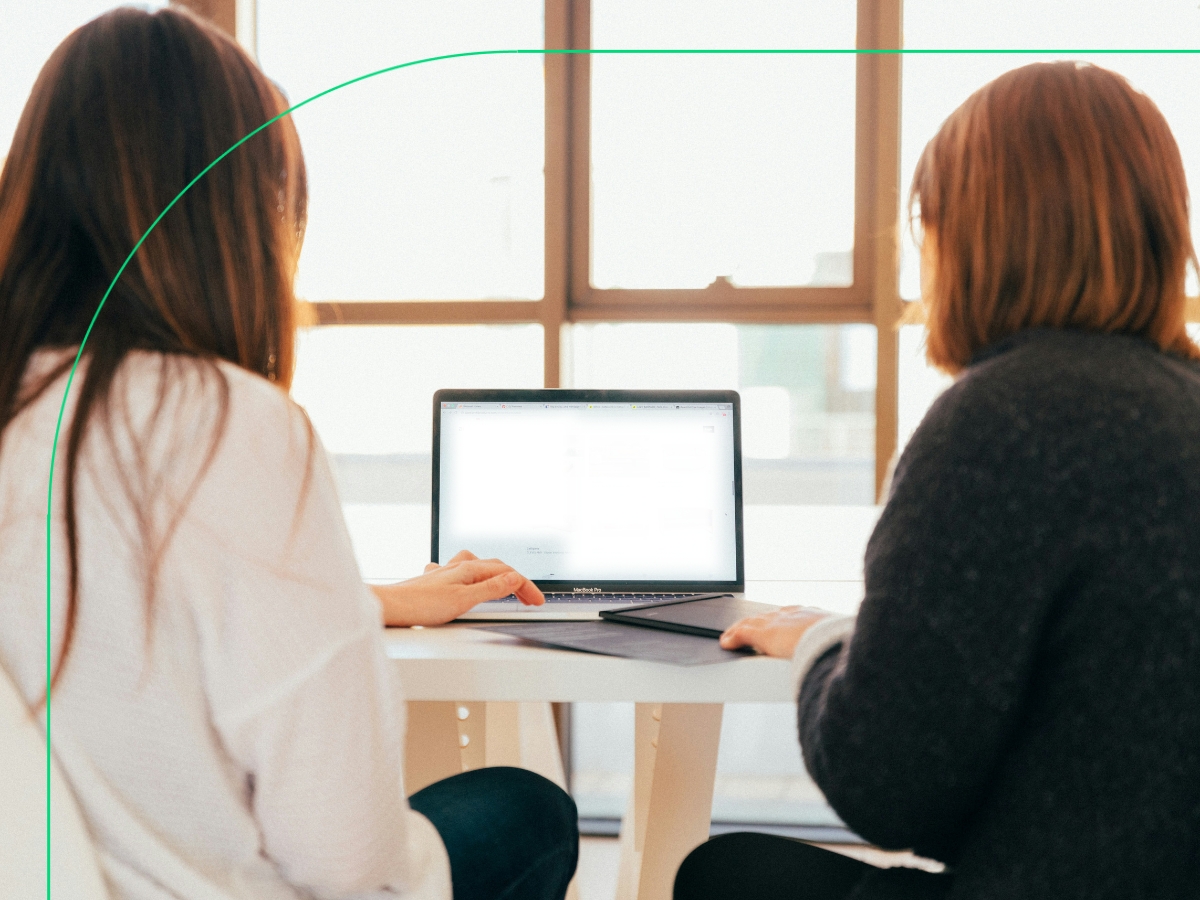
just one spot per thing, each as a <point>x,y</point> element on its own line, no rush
<point>591,487</point>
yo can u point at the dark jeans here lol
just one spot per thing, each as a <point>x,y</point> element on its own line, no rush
<point>767,867</point>
<point>510,834</point>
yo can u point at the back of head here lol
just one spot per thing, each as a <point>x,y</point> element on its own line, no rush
<point>126,112</point>
<point>1055,196</point>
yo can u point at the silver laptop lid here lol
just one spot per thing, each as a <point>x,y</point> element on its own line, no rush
<point>596,491</point>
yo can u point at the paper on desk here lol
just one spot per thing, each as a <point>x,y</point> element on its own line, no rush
<point>628,641</point>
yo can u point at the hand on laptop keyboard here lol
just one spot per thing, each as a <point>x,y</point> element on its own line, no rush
<point>445,592</point>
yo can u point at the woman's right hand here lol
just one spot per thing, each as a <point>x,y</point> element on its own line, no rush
<point>444,593</point>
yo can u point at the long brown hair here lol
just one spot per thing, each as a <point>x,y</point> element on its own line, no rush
<point>127,110</point>
<point>1055,196</point>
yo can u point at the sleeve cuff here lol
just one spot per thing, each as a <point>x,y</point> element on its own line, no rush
<point>428,859</point>
<point>815,642</point>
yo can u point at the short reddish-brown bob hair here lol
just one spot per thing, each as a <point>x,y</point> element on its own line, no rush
<point>1055,197</point>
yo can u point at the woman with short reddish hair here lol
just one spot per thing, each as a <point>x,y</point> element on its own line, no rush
<point>1019,695</point>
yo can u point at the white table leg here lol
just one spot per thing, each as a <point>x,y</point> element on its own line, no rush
<point>431,750</point>
<point>540,751</point>
<point>512,734</point>
<point>670,807</point>
<point>490,735</point>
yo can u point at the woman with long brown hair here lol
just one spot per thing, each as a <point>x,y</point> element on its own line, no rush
<point>221,701</point>
<point>1019,695</point>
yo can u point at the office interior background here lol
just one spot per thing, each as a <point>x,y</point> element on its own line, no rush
<point>633,221</point>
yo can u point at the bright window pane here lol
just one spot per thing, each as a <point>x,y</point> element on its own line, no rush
<point>369,392</point>
<point>31,32</point>
<point>933,86</point>
<point>425,182</point>
<point>722,166</point>
<point>808,395</point>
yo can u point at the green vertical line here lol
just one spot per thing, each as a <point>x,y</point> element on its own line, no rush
<point>344,84</point>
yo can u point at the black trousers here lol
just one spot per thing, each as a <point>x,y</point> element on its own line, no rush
<point>768,867</point>
<point>510,834</point>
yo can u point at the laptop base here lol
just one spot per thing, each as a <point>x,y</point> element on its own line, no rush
<point>566,607</point>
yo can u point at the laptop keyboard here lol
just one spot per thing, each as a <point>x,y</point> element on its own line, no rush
<point>609,598</point>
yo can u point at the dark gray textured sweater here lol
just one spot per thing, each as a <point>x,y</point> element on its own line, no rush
<point>1021,694</point>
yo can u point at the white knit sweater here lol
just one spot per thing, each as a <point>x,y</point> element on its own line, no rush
<point>239,736</point>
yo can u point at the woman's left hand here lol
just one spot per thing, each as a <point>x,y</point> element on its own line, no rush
<point>444,593</point>
<point>775,633</point>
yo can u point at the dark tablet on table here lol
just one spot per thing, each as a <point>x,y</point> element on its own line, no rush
<point>708,617</point>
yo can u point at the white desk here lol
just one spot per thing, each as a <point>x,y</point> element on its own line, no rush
<point>458,662</point>
<point>505,688</point>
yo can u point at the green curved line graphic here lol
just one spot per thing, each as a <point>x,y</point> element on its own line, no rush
<point>345,84</point>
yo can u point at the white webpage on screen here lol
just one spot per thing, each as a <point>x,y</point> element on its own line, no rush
<point>579,491</point>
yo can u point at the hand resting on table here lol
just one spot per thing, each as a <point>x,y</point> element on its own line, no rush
<point>774,633</point>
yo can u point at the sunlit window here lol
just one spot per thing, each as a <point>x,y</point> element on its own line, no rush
<point>426,182</point>
<point>808,395</point>
<point>722,166</point>
<point>369,392</point>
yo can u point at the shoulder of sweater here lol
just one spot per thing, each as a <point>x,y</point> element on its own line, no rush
<point>1050,405</point>
<point>1060,373</point>
<point>1051,357</point>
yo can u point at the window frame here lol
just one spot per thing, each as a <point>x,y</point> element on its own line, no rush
<point>568,296</point>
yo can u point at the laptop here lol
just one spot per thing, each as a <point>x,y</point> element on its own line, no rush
<point>604,499</point>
